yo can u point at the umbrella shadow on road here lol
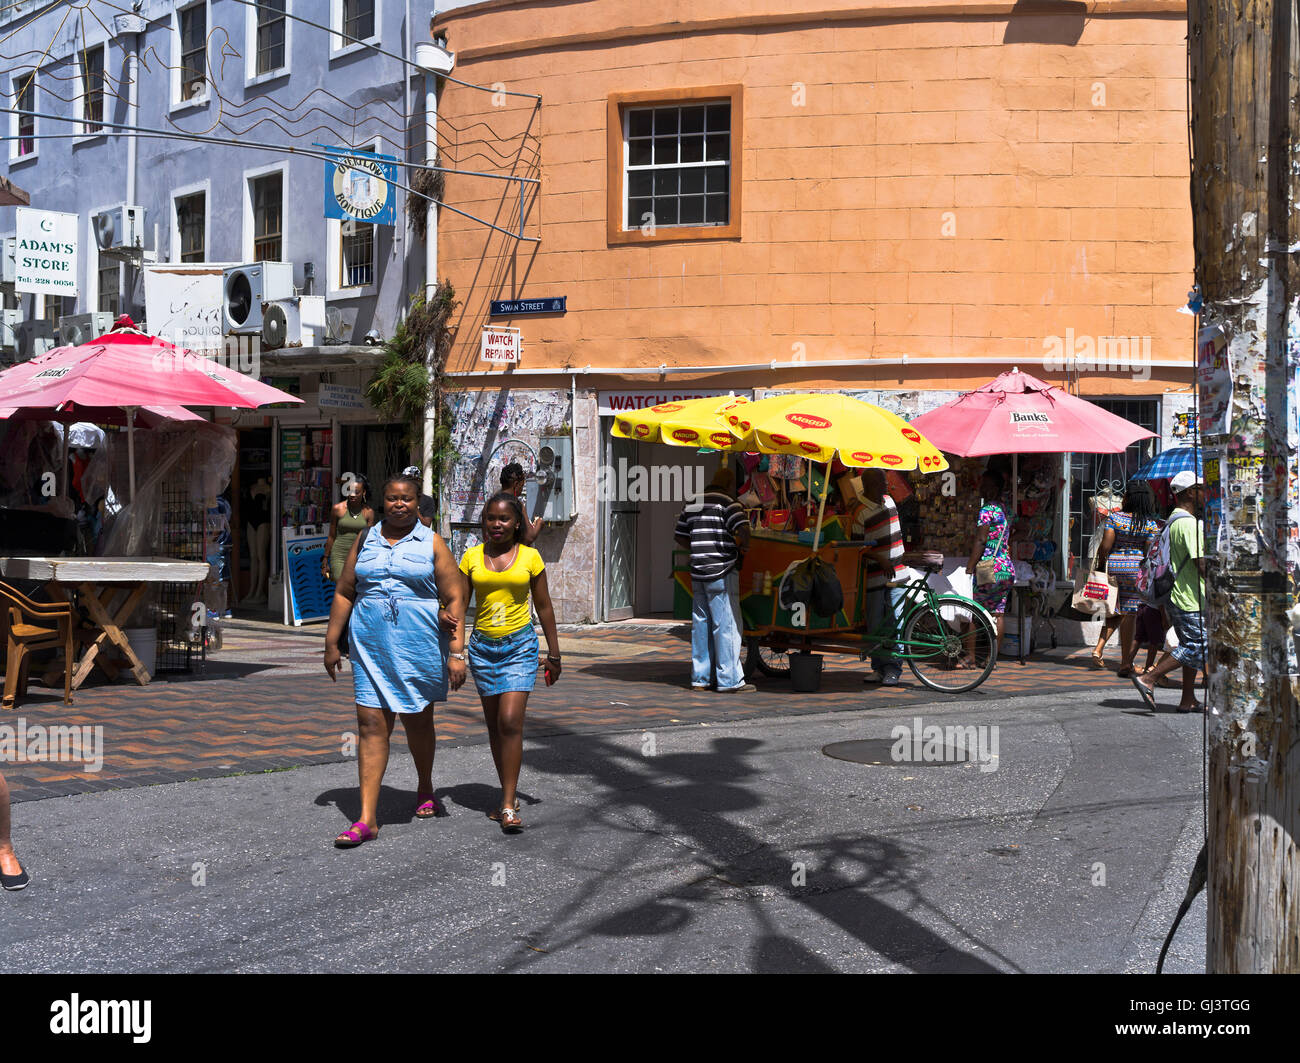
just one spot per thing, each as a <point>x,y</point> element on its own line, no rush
<point>685,796</point>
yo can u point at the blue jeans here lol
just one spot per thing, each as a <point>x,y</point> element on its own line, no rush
<point>882,661</point>
<point>715,617</point>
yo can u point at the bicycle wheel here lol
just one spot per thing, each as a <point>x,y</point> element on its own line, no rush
<point>952,648</point>
<point>763,658</point>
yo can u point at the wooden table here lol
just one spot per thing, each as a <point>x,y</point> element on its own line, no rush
<point>98,581</point>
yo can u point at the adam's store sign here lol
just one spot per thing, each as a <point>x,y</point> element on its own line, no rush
<point>45,255</point>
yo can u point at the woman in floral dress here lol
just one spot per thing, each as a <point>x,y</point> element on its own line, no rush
<point>1128,532</point>
<point>992,542</point>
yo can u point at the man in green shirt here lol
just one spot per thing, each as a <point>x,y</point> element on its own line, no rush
<point>1186,606</point>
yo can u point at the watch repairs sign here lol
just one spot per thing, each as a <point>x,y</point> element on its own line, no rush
<point>45,255</point>
<point>500,345</point>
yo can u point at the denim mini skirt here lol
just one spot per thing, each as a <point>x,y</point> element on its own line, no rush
<point>504,664</point>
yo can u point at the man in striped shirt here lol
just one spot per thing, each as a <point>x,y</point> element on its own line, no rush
<point>882,538</point>
<point>715,530</point>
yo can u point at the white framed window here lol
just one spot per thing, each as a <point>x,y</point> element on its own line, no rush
<point>54,307</point>
<point>352,254</point>
<point>265,235</point>
<point>89,101</point>
<point>191,225</point>
<point>678,164</point>
<point>189,63</point>
<point>269,36</point>
<point>22,128</point>
<point>109,285</point>
<point>353,22</point>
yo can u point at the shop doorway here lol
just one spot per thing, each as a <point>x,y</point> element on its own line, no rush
<point>373,451</point>
<point>1094,474</point>
<point>641,489</point>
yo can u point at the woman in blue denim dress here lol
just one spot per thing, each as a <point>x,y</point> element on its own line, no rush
<point>502,574</point>
<point>405,602</point>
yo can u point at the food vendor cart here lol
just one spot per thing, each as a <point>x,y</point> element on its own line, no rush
<point>947,640</point>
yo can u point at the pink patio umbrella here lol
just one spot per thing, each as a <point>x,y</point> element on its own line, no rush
<point>128,369</point>
<point>1020,414</point>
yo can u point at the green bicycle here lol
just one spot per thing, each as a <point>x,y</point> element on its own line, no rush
<point>948,641</point>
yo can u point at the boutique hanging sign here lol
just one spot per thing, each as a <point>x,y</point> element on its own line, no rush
<point>359,187</point>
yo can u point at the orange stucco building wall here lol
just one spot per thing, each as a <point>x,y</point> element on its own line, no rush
<point>956,181</point>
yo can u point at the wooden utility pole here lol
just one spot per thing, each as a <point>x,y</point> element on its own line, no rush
<point>1245,184</point>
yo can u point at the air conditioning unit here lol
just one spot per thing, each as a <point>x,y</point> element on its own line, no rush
<point>8,330</point>
<point>9,261</point>
<point>119,229</point>
<point>33,338</point>
<point>76,329</point>
<point>246,288</point>
<point>296,322</point>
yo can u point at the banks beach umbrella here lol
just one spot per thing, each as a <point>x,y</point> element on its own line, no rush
<point>1019,414</point>
<point>127,370</point>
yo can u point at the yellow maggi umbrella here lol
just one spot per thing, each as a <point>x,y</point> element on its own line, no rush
<point>687,423</point>
<point>819,426</point>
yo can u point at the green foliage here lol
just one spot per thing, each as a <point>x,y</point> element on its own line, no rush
<point>411,380</point>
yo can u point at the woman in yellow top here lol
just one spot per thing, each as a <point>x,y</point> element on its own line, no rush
<point>503,649</point>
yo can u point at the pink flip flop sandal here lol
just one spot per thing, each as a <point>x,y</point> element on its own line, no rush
<point>430,808</point>
<point>354,836</point>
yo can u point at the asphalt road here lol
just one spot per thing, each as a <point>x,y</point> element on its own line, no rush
<point>728,847</point>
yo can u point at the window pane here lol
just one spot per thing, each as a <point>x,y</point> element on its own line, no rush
<point>190,216</point>
<point>665,212</point>
<point>270,35</point>
<point>666,120</point>
<point>268,208</point>
<point>637,209</point>
<point>194,32</point>
<point>26,122</point>
<point>692,210</point>
<point>357,254</point>
<point>679,165</point>
<point>692,182</point>
<point>92,90</point>
<point>359,18</point>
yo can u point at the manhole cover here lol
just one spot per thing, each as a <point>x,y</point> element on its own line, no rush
<point>880,752</point>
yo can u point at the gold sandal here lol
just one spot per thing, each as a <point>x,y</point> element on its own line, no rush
<point>510,821</point>
<point>495,814</point>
